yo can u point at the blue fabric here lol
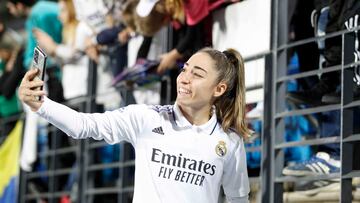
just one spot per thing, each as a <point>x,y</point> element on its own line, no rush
<point>117,52</point>
<point>109,154</point>
<point>109,36</point>
<point>44,16</point>
<point>296,127</point>
<point>254,158</point>
<point>9,164</point>
<point>303,166</point>
<point>118,57</point>
<point>42,146</point>
<point>141,73</point>
<point>10,192</point>
<point>293,68</point>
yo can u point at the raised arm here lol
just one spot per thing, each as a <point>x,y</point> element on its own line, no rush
<point>113,126</point>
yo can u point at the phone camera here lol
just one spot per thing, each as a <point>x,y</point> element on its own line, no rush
<point>36,56</point>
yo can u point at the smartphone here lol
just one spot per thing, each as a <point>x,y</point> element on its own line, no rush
<point>39,62</point>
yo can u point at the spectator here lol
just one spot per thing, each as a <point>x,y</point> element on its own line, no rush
<point>11,72</point>
<point>74,64</point>
<point>327,158</point>
<point>187,17</point>
<point>39,15</point>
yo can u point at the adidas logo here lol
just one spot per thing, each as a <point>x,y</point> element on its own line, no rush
<point>158,130</point>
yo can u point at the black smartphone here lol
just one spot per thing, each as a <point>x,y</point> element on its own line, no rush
<point>39,62</point>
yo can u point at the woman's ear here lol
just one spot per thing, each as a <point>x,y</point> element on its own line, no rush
<point>220,89</point>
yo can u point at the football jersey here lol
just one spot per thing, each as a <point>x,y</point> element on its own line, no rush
<point>175,160</point>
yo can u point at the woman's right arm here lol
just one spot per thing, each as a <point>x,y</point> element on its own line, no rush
<point>113,127</point>
<point>59,115</point>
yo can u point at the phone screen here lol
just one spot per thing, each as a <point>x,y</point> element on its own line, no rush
<point>39,62</point>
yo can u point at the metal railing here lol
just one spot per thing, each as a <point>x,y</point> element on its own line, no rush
<point>277,110</point>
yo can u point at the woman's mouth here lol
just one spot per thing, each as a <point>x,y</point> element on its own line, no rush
<point>183,91</point>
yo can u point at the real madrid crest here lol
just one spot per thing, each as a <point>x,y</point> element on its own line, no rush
<point>220,149</point>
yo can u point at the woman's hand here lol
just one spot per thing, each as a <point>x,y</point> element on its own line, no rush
<point>91,50</point>
<point>92,53</point>
<point>29,90</point>
<point>124,36</point>
<point>168,61</point>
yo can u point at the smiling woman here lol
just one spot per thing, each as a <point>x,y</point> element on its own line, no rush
<point>211,77</point>
<point>184,152</point>
<point>197,76</point>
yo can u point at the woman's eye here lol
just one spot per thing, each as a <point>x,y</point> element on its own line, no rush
<point>198,75</point>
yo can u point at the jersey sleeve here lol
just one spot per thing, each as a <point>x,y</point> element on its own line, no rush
<point>235,177</point>
<point>123,124</point>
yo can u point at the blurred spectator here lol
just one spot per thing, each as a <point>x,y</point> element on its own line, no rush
<point>74,64</point>
<point>192,29</point>
<point>11,72</point>
<point>188,18</point>
<point>92,16</point>
<point>116,38</point>
<point>39,14</point>
<point>340,11</point>
<point>308,54</point>
<point>327,158</point>
<point>69,23</point>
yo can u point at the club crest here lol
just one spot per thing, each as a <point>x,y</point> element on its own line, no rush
<point>220,149</point>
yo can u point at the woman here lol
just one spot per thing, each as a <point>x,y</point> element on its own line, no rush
<point>185,151</point>
<point>189,20</point>
<point>11,72</point>
<point>67,17</point>
<point>74,64</point>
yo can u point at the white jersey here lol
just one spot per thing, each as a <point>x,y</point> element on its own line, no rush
<point>175,161</point>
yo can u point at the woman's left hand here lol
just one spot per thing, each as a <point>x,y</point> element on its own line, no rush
<point>168,61</point>
<point>124,36</point>
<point>92,53</point>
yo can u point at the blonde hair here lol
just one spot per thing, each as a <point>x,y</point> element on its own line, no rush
<point>69,28</point>
<point>128,11</point>
<point>163,11</point>
<point>230,107</point>
<point>176,9</point>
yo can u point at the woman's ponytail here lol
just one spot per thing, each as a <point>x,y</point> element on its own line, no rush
<point>230,106</point>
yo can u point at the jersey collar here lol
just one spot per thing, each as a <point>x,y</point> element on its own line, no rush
<point>207,127</point>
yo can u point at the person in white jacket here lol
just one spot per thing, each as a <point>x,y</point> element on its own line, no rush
<point>184,152</point>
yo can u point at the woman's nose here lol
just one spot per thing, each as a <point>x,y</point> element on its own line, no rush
<point>184,78</point>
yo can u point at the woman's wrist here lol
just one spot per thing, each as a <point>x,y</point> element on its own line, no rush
<point>175,54</point>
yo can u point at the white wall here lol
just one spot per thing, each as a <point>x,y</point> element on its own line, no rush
<point>245,26</point>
